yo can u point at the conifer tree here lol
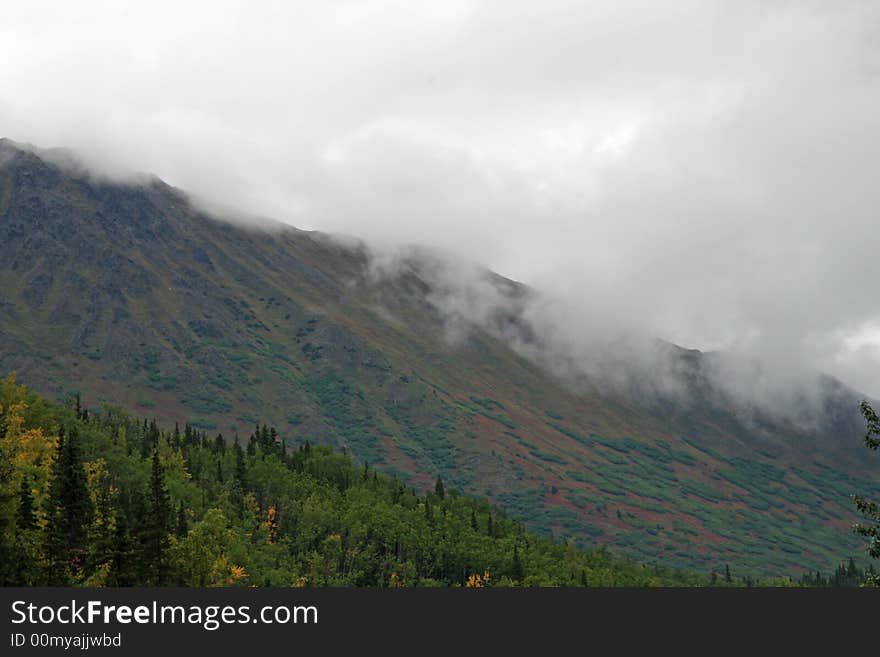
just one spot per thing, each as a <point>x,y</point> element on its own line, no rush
<point>69,511</point>
<point>25,518</point>
<point>438,488</point>
<point>516,567</point>
<point>101,529</point>
<point>157,525</point>
<point>24,566</point>
<point>239,464</point>
<point>122,572</point>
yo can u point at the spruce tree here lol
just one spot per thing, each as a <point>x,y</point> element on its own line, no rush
<point>239,464</point>
<point>182,527</point>
<point>438,488</point>
<point>102,529</point>
<point>122,566</point>
<point>157,526</point>
<point>69,512</point>
<point>516,567</point>
<point>24,562</point>
<point>25,518</point>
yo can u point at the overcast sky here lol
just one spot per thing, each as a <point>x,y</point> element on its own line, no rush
<point>707,170</point>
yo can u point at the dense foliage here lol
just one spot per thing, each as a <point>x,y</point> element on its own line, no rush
<point>104,499</point>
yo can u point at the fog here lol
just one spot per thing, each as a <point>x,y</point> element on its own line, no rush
<point>703,172</point>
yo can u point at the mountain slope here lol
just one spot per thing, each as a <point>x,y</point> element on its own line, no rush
<point>131,295</point>
<point>252,516</point>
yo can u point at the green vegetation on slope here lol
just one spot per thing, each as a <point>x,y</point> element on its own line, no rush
<point>131,295</point>
<point>696,505</point>
<point>103,499</point>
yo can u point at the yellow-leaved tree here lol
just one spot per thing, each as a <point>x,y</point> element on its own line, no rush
<point>26,455</point>
<point>203,557</point>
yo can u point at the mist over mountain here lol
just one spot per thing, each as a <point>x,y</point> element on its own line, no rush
<point>422,365</point>
<point>703,171</point>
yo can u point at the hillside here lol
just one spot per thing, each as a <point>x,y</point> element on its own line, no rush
<point>104,499</point>
<point>130,295</point>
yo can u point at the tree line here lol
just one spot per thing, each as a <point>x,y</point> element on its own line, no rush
<point>104,499</point>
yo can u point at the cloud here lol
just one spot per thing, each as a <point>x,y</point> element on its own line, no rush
<point>704,172</point>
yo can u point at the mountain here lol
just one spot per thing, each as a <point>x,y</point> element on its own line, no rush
<point>129,294</point>
<point>254,516</point>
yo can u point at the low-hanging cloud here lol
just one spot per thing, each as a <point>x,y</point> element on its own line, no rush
<point>601,355</point>
<point>704,172</point>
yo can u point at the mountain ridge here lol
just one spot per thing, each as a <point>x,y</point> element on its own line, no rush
<point>132,295</point>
